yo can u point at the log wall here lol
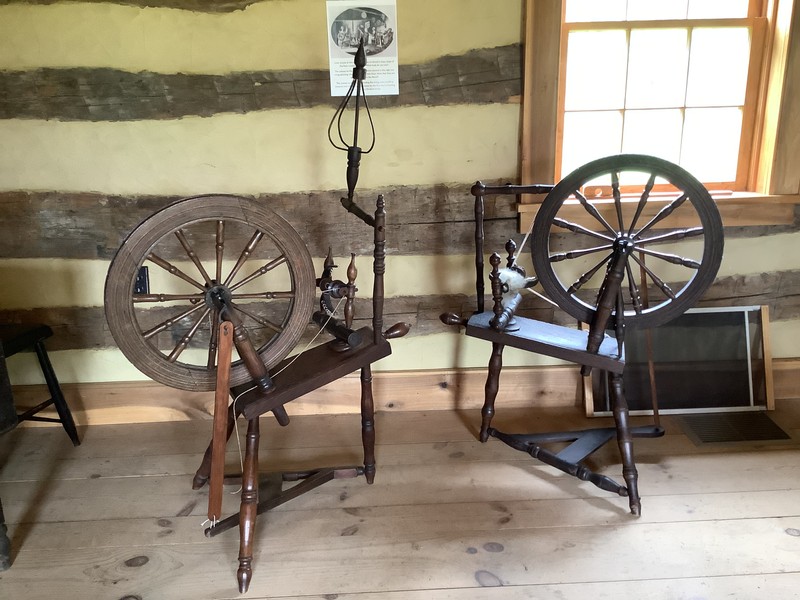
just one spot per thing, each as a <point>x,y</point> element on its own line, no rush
<point>111,110</point>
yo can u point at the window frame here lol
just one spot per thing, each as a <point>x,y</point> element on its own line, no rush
<point>757,24</point>
<point>773,134</point>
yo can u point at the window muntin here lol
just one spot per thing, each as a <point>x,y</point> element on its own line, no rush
<point>674,88</point>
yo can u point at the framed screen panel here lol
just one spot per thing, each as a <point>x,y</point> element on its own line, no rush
<point>706,360</point>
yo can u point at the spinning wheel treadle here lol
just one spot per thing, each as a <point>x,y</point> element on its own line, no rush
<point>196,248</point>
<point>642,204</point>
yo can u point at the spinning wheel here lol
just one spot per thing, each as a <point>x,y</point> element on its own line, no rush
<point>198,249</point>
<point>228,272</point>
<point>603,251</point>
<point>606,208</point>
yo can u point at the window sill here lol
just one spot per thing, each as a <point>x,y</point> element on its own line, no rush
<point>738,209</point>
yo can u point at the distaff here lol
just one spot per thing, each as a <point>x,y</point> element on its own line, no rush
<point>353,150</point>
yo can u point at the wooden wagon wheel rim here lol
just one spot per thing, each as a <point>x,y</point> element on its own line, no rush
<point>199,273</point>
<point>666,207</point>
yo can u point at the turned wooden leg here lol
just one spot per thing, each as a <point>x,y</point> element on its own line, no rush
<point>625,442</point>
<point>249,507</point>
<point>492,385</point>
<point>368,423</point>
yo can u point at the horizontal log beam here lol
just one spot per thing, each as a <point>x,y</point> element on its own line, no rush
<point>421,220</point>
<point>210,6</point>
<point>490,75</point>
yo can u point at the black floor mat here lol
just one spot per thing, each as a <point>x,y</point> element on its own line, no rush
<point>732,427</point>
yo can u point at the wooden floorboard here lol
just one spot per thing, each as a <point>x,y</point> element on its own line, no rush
<point>447,517</point>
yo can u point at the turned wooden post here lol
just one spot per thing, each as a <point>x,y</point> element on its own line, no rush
<point>349,304</point>
<point>368,423</point>
<point>378,268</point>
<point>491,388</point>
<point>478,191</point>
<point>249,507</point>
<point>625,442</point>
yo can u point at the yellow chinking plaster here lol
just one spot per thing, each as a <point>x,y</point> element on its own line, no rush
<point>278,34</point>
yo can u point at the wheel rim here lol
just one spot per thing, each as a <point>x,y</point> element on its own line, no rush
<point>657,206</point>
<point>193,249</point>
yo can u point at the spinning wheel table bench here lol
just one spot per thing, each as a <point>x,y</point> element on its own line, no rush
<point>599,257</point>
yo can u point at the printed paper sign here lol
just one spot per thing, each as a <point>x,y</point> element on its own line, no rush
<point>376,24</point>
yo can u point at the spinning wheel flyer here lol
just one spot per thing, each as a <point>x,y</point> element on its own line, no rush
<point>374,24</point>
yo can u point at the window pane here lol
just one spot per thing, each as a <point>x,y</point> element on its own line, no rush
<point>596,64</point>
<point>718,63</point>
<point>710,149</point>
<point>710,9</point>
<point>659,60</point>
<point>589,135</point>
<point>655,132</point>
<point>594,10</point>
<point>646,10</point>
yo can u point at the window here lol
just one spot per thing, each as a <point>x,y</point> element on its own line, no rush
<point>677,79</point>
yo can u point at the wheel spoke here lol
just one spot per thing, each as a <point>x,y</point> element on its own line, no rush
<point>193,298</point>
<point>577,253</point>
<point>583,279</point>
<point>261,271</point>
<point>617,198</point>
<point>580,229</point>
<point>663,213</point>
<point>173,270</point>
<point>261,321</point>
<point>192,255</point>
<point>248,250</point>
<point>678,234</point>
<point>671,258</point>
<point>220,248</point>
<point>592,210</point>
<point>656,279</point>
<point>187,339</point>
<point>164,325</point>
<point>634,290</point>
<point>642,202</point>
<point>172,334</point>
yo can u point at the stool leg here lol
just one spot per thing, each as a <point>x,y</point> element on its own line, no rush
<point>492,385</point>
<point>368,423</point>
<point>249,507</point>
<point>55,393</point>
<point>625,442</point>
<point>5,544</point>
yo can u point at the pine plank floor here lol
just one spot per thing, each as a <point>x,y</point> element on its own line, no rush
<point>447,518</point>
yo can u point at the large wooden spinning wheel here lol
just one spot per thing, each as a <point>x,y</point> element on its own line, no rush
<point>198,249</point>
<point>650,212</point>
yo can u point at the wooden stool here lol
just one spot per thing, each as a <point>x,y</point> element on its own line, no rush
<point>17,338</point>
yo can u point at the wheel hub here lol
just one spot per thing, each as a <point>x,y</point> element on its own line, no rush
<point>623,245</point>
<point>218,295</point>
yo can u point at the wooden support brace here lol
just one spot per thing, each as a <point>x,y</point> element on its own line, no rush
<point>220,434</point>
